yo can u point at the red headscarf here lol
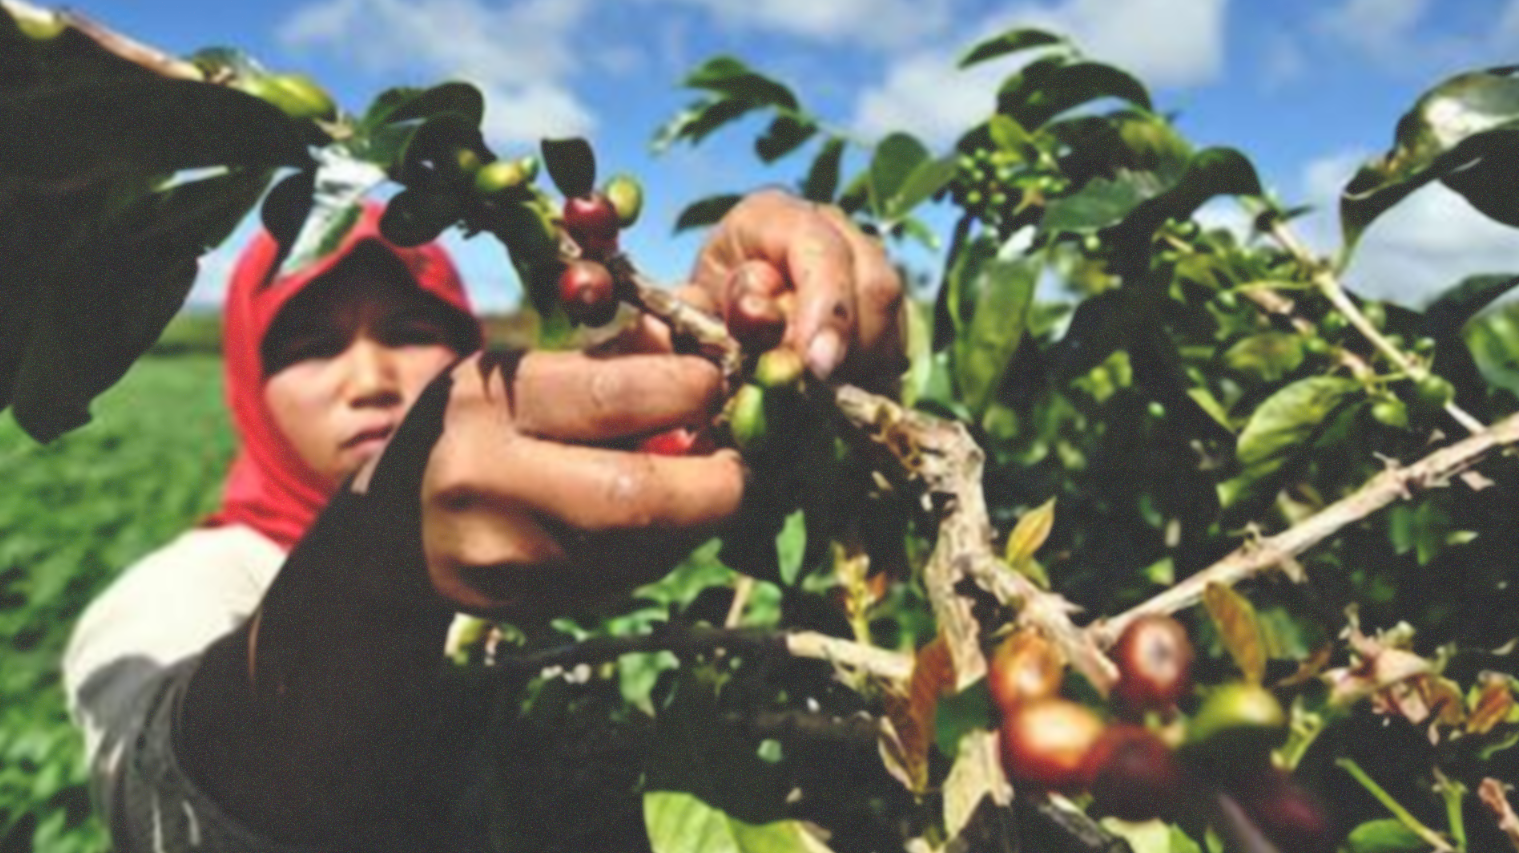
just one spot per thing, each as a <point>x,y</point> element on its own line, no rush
<point>270,488</point>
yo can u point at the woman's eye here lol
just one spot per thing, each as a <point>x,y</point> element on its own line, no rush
<point>415,334</point>
<point>305,349</point>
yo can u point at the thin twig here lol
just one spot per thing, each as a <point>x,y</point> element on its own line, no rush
<point>1326,281</point>
<point>1391,484</point>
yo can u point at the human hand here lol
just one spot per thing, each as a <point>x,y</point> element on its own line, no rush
<point>531,503</point>
<point>782,268</point>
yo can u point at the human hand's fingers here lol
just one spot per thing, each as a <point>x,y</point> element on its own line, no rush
<point>582,398</point>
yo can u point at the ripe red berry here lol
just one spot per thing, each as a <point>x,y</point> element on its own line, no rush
<point>756,322</point>
<point>587,293</point>
<point>1135,775</point>
<point>1286,812</point>
<point>1025,668</point>
<point>1047,745</point>
<point>673,442</point>
<point>592,221</point>
<point>1154,658</point>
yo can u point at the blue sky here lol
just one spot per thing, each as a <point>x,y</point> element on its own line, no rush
<point>1307,88</point>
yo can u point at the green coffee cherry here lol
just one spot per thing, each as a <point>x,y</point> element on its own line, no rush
<point>626,195</point>
<point>1238,719</point>
<point>1390,413</point>
<point>1435,391</point>
<point>747,418</point>
<point>298,96</point>
<point>39,24</point>
<point>499,177</point>
<point>779,368</point>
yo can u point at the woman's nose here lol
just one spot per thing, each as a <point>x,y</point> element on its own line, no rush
<point>373,378</point>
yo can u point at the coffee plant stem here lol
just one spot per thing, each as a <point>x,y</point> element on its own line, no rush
<point>1454,794</point>
<point>1330,286</point>
<point>1404,817</point>
<point>1257,556</point>
<point>881,663</point>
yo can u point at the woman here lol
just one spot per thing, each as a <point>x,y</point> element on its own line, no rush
<point>270,681</point>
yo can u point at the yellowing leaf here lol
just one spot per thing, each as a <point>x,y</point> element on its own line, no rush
<point>908,729</point>
<point>1030,532</point>
<point>1239,628</point>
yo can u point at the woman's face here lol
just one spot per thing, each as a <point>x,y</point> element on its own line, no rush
<point>345,360</point>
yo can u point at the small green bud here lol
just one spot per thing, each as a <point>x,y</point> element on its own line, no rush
<point>626,195</point>
<point>747,420</point>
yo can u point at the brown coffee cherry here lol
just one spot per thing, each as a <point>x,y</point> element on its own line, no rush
<point>1154,658</point>
<point>1135,775</point>
<point>1288,814</point>
<point>587,293</point>
<point>592,222</point>
<point>1047,745</point>
<point>1026,667</point>
<point>756,322</point>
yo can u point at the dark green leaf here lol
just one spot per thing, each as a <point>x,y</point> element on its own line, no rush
<point>785,134</point>
<point>571,165</point>
<point>1210,173</point>
<point>1035,98</point>
<point>984,351</point>
<point>707,211</point>
<point>1463,132</point>
<point>696,123</point>
<point>1384,836</point>
<point>926,179</point>
<point>823,178</point>
<point>1453,308</point>
<point>729,76</point>
<point>89,131</point>
<point>1011,41</point>
<point>896,157</point>
<point>409,104</point>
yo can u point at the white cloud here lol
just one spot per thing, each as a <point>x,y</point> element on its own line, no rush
<point>520,55</point>
<point>886,23</point>
<point>1163,42</point>
<point>1428,242</point>
<point>1284,61</point>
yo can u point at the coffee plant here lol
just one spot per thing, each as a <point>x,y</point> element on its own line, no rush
<point>1211,553</point>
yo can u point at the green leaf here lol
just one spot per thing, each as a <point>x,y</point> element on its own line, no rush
<point>409,104</point>
<point>895,158</point>
<point>791,546</point>
<point>732,78</point>
<point>1210,173</point>
<point>1457,305</point>
<point>823,178</point>
<point>1009,42</point>
<point>1268,356</point>
<point>1033,98</point>
<point>571,165</point>
<point>89,131</point>
<point>926,179</point>
<point>984,352</point>
<point>1102,202</point>
<point>1464,132</point>
<point>696,123</point>
<point>1283,425</point>
<point>785,134</point>
<point>706,211</point>
<point>682,823</point>
<point>1384,836</point>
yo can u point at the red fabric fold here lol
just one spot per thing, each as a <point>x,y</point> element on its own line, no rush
<point>269,487</point>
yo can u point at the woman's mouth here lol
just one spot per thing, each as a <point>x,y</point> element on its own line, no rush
<point>370,438</point>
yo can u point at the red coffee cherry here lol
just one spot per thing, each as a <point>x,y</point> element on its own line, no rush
<point>592,221</point>
<point>587,293</point>
<point>1026,667</point>
<point>1135,775</point>
<point>1154,658</point>
<point>1286,812</point>
<point>756,322</point>
<point>1047,745</point>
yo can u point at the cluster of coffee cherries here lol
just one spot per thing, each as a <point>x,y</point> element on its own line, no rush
<point>1150,760</point>
<point>983,184</point>
<point>587,289</point>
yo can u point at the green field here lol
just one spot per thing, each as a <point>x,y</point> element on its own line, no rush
<point>74,514</point>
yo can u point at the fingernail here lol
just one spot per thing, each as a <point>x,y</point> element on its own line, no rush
<point>824,353</point>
